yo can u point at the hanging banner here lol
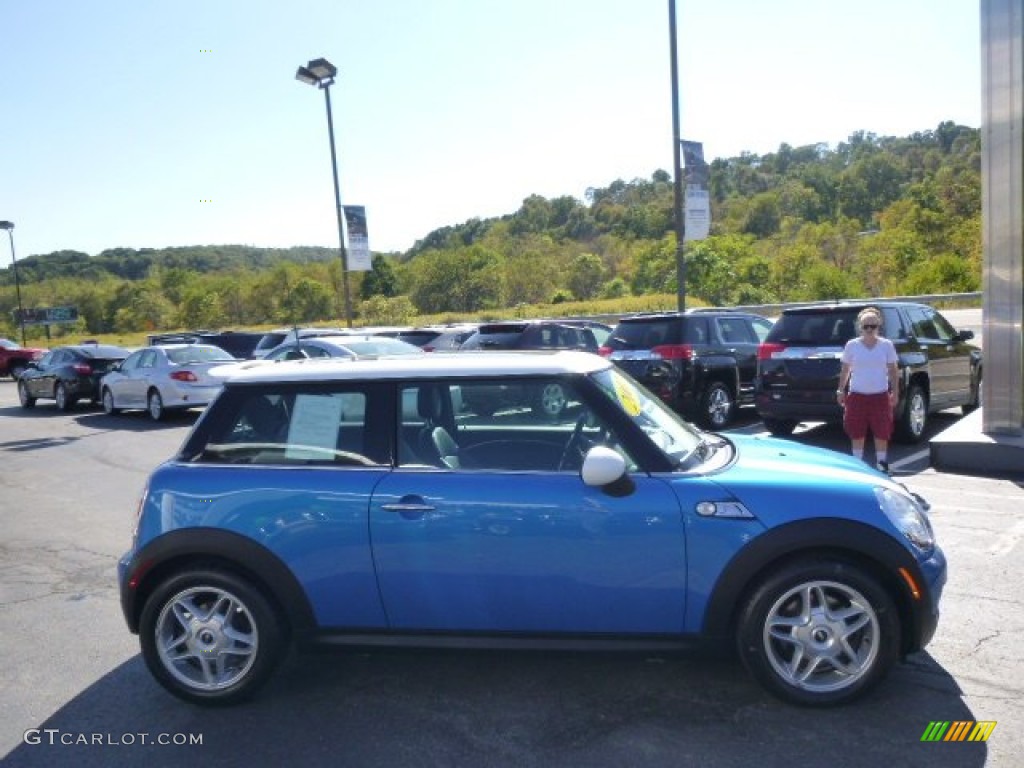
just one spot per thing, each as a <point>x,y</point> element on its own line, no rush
<point>358,239</point>
<point>697,175</point>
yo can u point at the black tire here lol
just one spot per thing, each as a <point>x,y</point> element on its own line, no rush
<point>184,637</point>
<point>108,402</point>
<point>975,401</point>
<point>913,419</point>
<point>155,405</point>
<point>65,402</point>
<point>819,633</point>
<point>26,400</point>
<point>717,407</point>
<point>780,427</point>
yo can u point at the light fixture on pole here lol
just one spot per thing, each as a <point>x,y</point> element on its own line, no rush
<point>320,72</point>
<point>9,226</point>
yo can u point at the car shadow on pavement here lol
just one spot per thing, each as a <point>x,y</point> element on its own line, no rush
<point>406,708</point>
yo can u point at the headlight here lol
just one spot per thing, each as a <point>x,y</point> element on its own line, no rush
<point>907,515</point>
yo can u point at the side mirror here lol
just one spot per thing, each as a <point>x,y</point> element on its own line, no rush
<point>965,335</point>
<point>606,469</point>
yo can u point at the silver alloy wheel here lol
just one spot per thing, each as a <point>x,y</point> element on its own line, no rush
<point>206,638</point>
<point>917,413</point>
<point>821,636</point>
<point>60,395</point>
<point>552,400</point>
<point>108,402</point>
<point>155,405</point>
<point>719,407</point>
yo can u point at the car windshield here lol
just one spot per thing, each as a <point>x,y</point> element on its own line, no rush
<point>8,344</point>
<point>674,436</point>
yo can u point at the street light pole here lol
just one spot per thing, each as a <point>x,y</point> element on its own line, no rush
<point>9,226</point>
<point>676,163</point>
<point>320,72</point>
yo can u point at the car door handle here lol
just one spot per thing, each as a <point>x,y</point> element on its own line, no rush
<point>407,507</point>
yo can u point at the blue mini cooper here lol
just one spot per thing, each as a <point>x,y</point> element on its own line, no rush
<point>390,501</point>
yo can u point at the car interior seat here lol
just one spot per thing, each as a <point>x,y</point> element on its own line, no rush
<point>435,442</point>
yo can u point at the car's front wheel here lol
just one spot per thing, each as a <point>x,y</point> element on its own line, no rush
<point>210,637</point>
<point>717,406</point>
<point>155,405</point>
<point>26,400</point>
<point>819,633</point>
<point>972,405</point>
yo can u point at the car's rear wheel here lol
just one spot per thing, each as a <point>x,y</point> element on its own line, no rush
<point>26,400</point>
<point>912,421</point>
<point>108,402</point>
<point>155,405</point>
<point>717,406</point>
<point>819,633</point>
<point>780,427</point>
<point>64,401</point>
<point>210,637</point>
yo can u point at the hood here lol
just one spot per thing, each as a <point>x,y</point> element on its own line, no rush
<point>781,480</point>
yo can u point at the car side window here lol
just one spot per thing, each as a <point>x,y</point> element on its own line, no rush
<point>944,330</point>
<point>483,425</point>
<point>147,359</point>
<point>922,325</point>
<point>298,427</point>
<point>760,327</point>
<point>131,362</point>
<point>733,330</point>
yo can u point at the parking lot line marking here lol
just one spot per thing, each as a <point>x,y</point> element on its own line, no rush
<point>910,459</point>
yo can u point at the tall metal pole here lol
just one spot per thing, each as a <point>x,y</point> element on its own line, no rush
<point>677,164</point>
<point>9,226</point>
<point>337,200</point>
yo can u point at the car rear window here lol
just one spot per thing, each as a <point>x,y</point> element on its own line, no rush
<point>826,328</point>
<point>654,332</point>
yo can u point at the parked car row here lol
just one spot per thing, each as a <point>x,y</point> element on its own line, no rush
<point>704,363</point>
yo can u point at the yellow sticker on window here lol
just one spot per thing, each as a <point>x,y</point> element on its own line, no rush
<point>627,395</point>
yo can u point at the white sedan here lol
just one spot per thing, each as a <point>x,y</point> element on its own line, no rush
<point>164,377</point>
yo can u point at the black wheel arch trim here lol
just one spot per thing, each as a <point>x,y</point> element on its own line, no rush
<point>847,540</point>
<point>212,547</point>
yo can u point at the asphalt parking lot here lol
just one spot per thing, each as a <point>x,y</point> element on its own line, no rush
<point>75,690</point>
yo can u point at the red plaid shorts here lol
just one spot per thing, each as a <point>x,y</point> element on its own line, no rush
<point>868,412</point>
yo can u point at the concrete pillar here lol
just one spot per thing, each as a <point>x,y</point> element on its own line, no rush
<point>1002,178</point>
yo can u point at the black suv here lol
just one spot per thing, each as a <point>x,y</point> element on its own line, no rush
<point>800,360</point>
<point>701,362</point>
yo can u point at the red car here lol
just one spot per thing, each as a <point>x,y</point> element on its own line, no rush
<point>14,358</point>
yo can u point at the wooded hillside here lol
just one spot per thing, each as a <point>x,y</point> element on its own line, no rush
<point>873,216</point>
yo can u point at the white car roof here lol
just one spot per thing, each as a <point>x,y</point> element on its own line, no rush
<point>438,365</point>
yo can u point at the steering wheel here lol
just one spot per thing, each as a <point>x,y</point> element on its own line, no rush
<point>575,442</point>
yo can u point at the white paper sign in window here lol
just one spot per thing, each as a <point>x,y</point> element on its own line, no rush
<point>313,431</point>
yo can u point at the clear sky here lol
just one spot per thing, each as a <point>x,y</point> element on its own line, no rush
<point>153,123</point>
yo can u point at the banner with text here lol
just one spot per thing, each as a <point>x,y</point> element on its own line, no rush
<point>358,239</point>
<point>697,174</point>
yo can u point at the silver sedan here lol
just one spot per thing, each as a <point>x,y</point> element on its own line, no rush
<point>164,377</point>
